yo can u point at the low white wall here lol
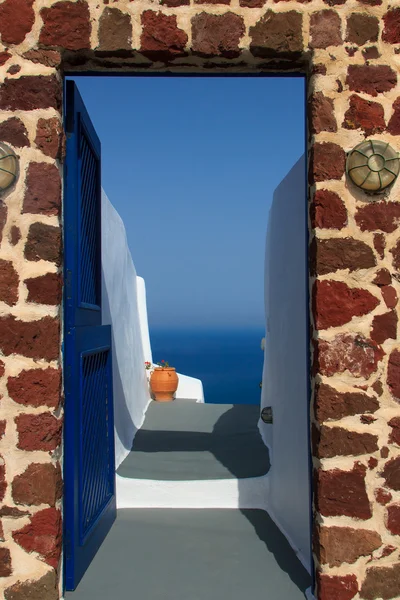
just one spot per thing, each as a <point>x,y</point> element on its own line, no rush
<point>124,307</point>
<point>285,373</point>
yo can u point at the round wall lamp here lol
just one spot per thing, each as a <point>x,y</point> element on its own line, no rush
<point>8,167</point>
<point>373,166</point>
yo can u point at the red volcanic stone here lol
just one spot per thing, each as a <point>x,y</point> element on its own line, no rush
<point>38,432</point>
<point>391,32</point>
<point>378,387</point>
<point>380,244</point>
<point>42,535</point>
<point>340,493</point>
<point>14,132</point>
<point>34,339</point>
<point>394,122</point>
<point>370,53</point>
<point>38,484</point>
<point>5,562</point>
<point>252,3</point>
<point>321,113</point>
<point>393,519</point>
<point>277,35</point>
<point>381,582</point>
<point>325,29</point>
<point>391,474</point>
<point>16,20</point>
<point>394,437</point>
<point>31,92</point>
<point>330,255</point>
<point>319,69</point>
<point>49,137</point>
<point>333,405</point>
<point>3,425</point>
<point>67,25</point>
<point>44,243</point>
<point>3,482</point>
<point>393,376</point>
<point>348,352</point>
<point>328,210</point>
<point>43,189</point>
<point>338,545</point>
<point>396,256</point>
<point>161,37</point>
<point>14,69</point>
<point>384,452</point>
<point>382,277</point>
<point>362,28</point>
<point>337,441</point>
<point>9,281</point>
<point>336,304</point>
<point>46,289</point>
<point>217,35</point>
<point>15,235</point>
<point>384,327</point>
<point>4,56</point>
<point>366,115</point>
<point>115,30</point>
<point>45,588</point>
<point>383,216</point>
<point>36,387</point>
<point>336,587</point>
<point>371,79</point>
<point>383,496</point>
<point>389,296</point>
<point>328,161</point>
<point>49,58</point>
<point>372,462</point>
<point>367,419</point>
<point>3,218</point>
<point>2,368</point>
<point>175,3</point>
<point>13,512</point>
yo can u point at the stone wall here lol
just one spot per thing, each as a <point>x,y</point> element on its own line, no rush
<point>350,52</point>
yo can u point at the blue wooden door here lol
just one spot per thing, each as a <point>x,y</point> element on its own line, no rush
<point>89,465</point>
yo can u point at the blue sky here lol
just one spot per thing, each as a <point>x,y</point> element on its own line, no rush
<point>191,165</point>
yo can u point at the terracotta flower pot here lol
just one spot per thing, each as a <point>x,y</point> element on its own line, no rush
<point>163,383</point>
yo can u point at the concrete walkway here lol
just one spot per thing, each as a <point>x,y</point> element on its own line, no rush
<point>161,554</point>
<point>195,554</point>
<point>185,441</point>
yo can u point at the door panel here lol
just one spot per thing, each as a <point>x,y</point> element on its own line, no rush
<point>89,463</point>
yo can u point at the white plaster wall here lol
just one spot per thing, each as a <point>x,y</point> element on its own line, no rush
<point>285,373</point>
<point>143,320</point>
<point>124,307</point>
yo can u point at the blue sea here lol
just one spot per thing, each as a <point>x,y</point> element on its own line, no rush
<point>228,362</point>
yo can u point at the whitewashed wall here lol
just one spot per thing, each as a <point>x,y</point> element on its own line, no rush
<point>124,307</point>
<point>285,375</point>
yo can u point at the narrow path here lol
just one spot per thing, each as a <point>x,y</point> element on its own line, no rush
<point>192,554</point>
<point>162,554</point>
<point>185,441</point>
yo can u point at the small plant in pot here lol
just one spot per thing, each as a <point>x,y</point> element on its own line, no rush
<point>163,382</point>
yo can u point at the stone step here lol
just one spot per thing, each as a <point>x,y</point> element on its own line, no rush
<point>186,441</point>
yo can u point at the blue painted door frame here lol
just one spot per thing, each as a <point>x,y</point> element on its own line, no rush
<point>89,461</point>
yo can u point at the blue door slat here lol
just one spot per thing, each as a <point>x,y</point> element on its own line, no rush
<point>89,464</point>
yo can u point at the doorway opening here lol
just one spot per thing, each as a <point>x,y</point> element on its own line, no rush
<point>212,190</point>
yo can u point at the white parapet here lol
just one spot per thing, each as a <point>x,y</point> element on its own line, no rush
<point>218,493</point>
